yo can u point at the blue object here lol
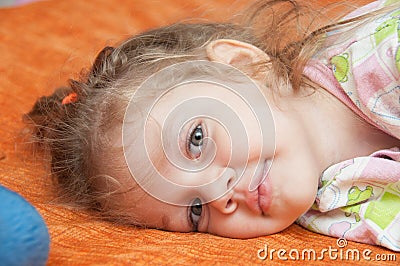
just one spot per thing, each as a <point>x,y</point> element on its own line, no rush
<point>24,238</point>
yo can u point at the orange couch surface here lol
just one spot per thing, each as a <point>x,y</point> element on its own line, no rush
<point>45,43</point>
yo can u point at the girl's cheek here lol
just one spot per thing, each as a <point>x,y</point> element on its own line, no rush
<point>229,151</point>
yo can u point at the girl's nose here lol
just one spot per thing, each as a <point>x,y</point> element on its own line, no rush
<point>225,204</point>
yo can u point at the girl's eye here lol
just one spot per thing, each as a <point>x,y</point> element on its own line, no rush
<point>195,141</point>
<point>195,211</point>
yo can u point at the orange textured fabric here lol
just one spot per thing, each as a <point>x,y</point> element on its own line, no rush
<point>42,45</point>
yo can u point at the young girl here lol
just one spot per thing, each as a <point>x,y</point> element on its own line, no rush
<point>217,128</point>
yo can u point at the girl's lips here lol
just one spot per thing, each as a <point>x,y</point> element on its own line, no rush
<point>259,200</point>
<point>265,189</point>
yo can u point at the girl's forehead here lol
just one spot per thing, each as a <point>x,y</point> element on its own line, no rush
<point>196,90</point>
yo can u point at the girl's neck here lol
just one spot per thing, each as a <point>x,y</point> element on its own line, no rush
<point>336,132</point>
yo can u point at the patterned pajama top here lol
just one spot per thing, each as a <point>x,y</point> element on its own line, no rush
<point>359,199</point>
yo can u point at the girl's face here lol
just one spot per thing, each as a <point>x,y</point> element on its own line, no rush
<point>228,184</point>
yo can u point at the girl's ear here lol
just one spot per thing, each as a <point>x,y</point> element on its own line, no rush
<point>236,53</point>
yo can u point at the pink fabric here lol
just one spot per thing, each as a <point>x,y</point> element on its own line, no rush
<point>359,199</point>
